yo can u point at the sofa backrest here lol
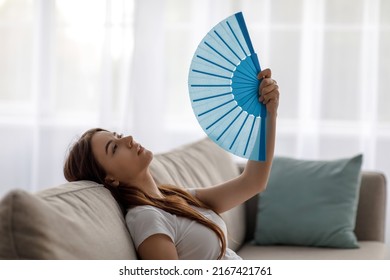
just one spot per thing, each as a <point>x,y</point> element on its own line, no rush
<point>81,220</point>
<point>78,220</point>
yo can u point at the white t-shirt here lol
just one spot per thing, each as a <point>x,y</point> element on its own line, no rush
<point>193,241</point>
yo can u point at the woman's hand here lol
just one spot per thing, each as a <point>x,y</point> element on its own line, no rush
<point>269,92</point>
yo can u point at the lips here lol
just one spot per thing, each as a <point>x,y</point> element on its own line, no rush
<point>140,149</point>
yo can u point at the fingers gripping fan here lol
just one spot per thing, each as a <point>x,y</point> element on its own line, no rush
<point>224,89</point>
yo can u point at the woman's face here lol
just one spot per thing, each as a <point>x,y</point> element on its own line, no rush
<point>122,158</point>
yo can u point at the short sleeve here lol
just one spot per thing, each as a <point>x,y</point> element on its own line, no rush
<point>145,221</point>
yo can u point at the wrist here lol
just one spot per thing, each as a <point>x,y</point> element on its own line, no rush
<point>272,115</point>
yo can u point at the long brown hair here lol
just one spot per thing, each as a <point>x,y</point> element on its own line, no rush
<point>82,165</point>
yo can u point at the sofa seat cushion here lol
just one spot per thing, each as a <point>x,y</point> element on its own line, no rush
<point>78,220</point>
<point>368,250</point>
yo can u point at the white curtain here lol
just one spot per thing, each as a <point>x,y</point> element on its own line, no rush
<point>65,67</point>
<point>68,65</point>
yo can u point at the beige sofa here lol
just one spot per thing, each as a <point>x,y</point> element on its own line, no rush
<point>81,220</point>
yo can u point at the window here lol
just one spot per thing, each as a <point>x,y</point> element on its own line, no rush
<point>64,67</point>
<point>16,59</point>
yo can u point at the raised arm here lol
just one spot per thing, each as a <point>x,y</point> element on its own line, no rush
<point>254,179</point>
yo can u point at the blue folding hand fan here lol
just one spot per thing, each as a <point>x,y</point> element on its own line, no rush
<point>224,89</point>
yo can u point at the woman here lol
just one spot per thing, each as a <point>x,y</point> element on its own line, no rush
<point>168,222</point>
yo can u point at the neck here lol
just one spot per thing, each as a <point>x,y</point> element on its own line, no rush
<point>147,183</point>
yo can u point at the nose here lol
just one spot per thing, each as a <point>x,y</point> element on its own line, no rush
<point>129,140</point>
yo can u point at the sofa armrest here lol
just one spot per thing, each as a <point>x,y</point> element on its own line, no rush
<point>371,213</point>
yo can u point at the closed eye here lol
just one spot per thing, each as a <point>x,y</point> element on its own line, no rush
<point>115,146</point>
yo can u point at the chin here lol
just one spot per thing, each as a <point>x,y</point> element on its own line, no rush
<point>149,155</point>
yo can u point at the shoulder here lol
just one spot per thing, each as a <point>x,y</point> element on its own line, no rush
<point>143,209</point>
<point>149,217</point>
<point>192,191</point>
<point>145,212</point>
<point>145,221</point>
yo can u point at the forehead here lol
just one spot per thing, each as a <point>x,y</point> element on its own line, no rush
<point>102,136</point>
<point>99,140</point>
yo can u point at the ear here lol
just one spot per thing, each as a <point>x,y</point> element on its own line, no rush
<point>112,182</point>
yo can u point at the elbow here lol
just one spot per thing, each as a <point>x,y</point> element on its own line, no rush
<point>257,185</point>
<point>265,181</point>
<point>262,187</point>
<point>256,175</point>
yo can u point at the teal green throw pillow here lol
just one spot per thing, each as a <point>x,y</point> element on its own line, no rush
<point>310,203</point>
